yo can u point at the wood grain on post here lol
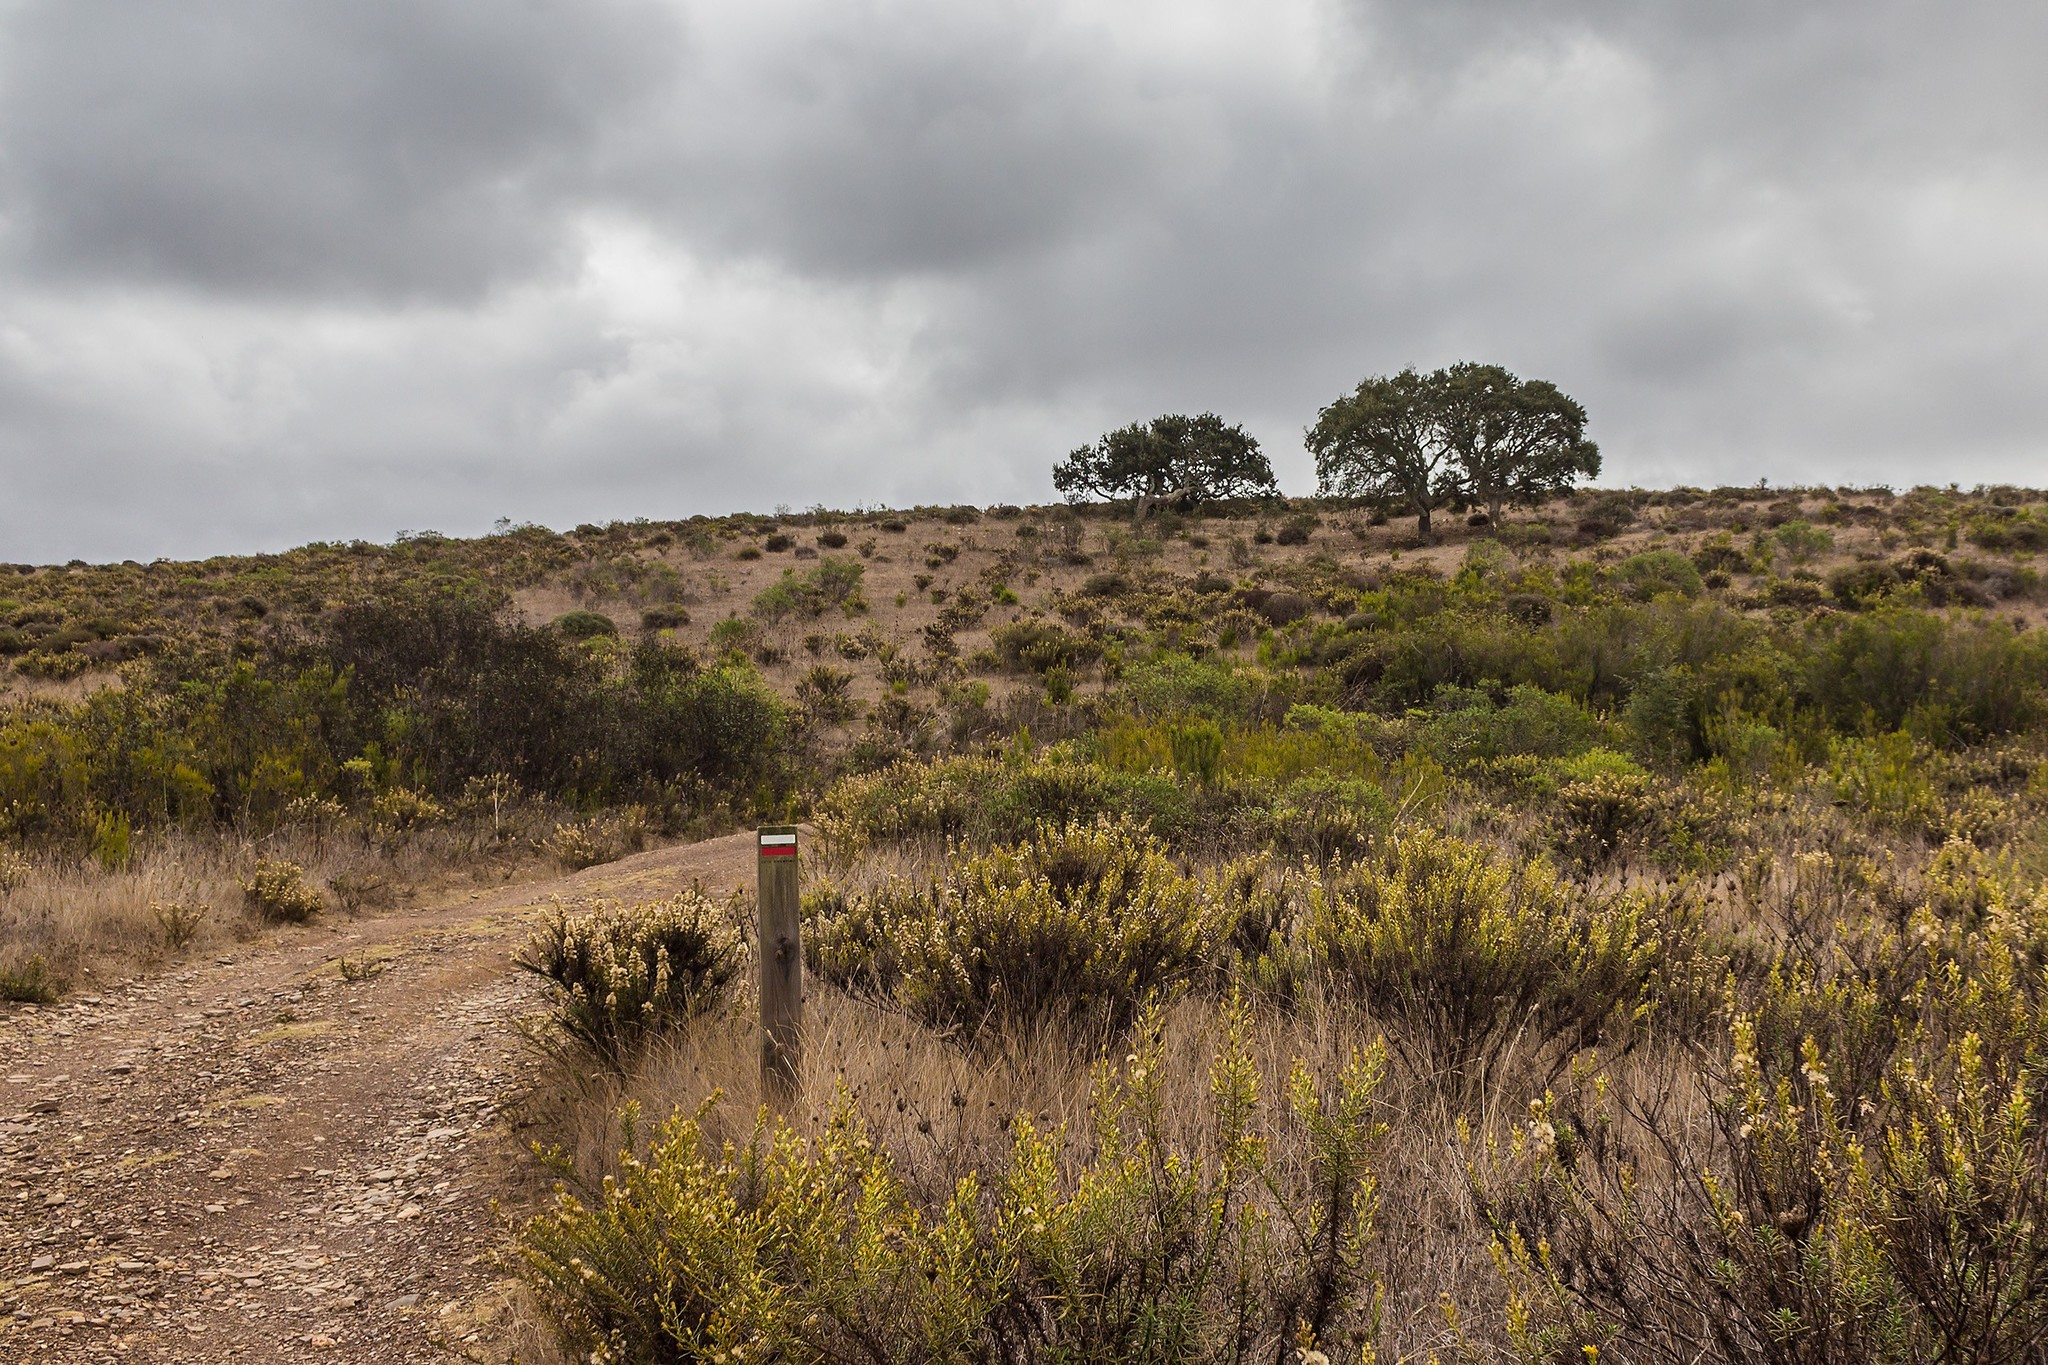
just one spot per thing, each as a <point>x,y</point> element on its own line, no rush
<point>782,965</point>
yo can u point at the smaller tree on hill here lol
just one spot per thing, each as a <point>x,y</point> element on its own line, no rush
<point>1174,459</point>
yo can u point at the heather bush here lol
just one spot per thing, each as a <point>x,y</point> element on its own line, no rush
<point>1083,924</point>
<point>276,890</point>
<point>623,973</point>
<point>576,844</point>
<point>988,800</point>
<point>1468,956</point>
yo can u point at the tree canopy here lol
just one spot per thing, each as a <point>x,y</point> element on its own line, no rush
<point>1474,432</point>
<point>1513,440</point>
<point>1175,458</point>
<point>1383,440</point>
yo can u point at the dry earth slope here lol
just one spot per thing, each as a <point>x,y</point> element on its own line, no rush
<point>262,1158</point>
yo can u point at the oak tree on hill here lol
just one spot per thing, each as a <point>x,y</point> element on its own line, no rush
<point>1471,432</point>
<point>1177,459</point>
<point>1382,440</point>
<point>1513,440</point>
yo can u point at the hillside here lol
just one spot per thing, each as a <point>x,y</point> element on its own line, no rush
<point>1257,935</point>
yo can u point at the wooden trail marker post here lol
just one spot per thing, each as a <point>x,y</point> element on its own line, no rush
<point>782,965</point>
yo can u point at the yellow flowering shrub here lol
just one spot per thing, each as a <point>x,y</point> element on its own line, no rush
<point>1464,954</point>
<point>624,972</point>
<point>1139,1246</point>
<point>1083,922</point>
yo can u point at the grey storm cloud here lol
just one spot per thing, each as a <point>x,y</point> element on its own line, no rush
<point>271,273</point>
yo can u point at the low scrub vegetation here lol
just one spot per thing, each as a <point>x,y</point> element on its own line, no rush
<point>622,974</point>
<point>1084,923</point>
<point>1145,1239</point>
<point>1611,927</point>
<point>276,890</point>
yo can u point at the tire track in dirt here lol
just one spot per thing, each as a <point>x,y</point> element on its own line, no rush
<point>261,1158</point>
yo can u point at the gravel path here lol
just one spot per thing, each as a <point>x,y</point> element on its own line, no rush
<point>310,1148</point>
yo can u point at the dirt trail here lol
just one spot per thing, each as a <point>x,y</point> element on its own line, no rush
<point>259,1159</point>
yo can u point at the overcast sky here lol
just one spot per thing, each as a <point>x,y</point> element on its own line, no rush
<point>272,273</point>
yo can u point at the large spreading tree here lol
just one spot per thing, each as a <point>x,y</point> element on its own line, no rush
<point>1472,432</point>
<point>1383,441</point>
<point>1177,459</point>
<point>1512,440</point>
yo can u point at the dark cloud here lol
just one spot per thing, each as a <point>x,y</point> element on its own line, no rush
<point>359,148</point>
<point>276,272</point>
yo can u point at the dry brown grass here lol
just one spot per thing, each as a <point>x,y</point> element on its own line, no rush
<point>181,894</point>
<point>942,1114</point>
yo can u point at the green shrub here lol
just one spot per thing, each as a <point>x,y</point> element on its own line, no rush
<point>1654,572</point>
<point>1878,1164</point>
<point>1803,541</point>
<point>1105,585</point>
<point>1466,956</point>
<point>585,625</point>
<point>113,841</point>
<point>277,891</point>
<point>1887,778</point>
<point>1084,923</point>
<point>1603,814</point>
<point>664,618</point>
<point>1041,646</point>
<point>830,583</point>
<point>985,800</point>
<point>1857,586</point>
<point>826,693</point>
<point>1197,750</point>
<point>1466,726</point>
<point>400,811</point>
<point>1949,681</point>
<point>1145,1246</point>
<point>1176,687</point>
<point>735,635</point>
<point>622,973</point>
<point>1326,818</point>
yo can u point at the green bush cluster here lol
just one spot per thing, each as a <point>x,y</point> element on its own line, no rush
<point>989,800</point>
<point>391,704</point>
<point>830,584</point>
<point>1464,955</point>
<point>624,973</point>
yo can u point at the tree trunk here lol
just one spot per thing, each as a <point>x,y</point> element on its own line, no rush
<point>1493,506</point>
<point>1145,502</point>
<point>1422,521</point>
